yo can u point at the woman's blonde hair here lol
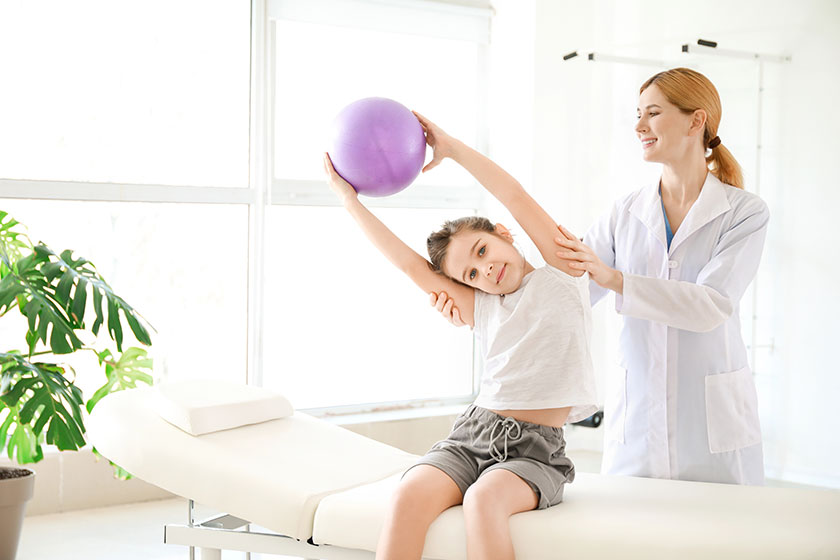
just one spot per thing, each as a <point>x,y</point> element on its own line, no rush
<point>690,90</point>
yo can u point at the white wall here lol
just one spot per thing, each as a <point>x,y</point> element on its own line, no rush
<point>584,153</point>
<point>803,249</point>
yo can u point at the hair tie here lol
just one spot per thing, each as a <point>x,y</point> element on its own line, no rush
<point>715,142</point>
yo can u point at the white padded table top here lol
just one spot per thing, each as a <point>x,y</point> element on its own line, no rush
<point>609,517</point>
<point>273,474</point>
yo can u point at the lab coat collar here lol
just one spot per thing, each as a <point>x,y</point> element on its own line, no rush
<point>648,209</point>
<point>711,203</point>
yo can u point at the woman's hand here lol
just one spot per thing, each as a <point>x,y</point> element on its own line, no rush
<point>445,305</point>
<point>338,185</point>
<point>441,142</point>
<point>581,257</point>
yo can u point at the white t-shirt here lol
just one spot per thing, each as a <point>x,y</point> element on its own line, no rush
<point>535,344</point>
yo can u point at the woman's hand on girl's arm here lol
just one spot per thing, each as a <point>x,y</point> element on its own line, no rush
<point>442,144</point>
<point>446,306</point>
<point>581,257</point>
<point>338,185</point>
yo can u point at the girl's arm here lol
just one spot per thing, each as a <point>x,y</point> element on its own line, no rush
<point>534,220</point>
<point>401,255</point>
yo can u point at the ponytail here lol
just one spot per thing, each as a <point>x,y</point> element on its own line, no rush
<point>723,165</point>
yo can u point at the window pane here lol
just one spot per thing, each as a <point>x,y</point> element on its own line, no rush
<point>103,91</point>
<point>343,325</point>
<point>183,267</point>
<point>321,69</point>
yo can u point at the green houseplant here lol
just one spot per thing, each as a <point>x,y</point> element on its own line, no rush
<point>63,299</point>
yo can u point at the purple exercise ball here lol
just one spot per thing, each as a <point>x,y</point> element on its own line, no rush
<point>378,146</point>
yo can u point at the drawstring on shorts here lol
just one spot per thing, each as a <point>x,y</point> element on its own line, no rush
<point>509,429</point>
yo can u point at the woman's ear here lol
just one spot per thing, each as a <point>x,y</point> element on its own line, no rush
<point>698,122</point>
<point>504,232</point>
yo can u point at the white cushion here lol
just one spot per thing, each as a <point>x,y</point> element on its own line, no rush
<point>205,406</point>
<point>609,517</point>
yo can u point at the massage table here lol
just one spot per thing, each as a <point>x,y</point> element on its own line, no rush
<point>304,487</point>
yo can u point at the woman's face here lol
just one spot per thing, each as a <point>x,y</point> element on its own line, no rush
<point>666,132</point>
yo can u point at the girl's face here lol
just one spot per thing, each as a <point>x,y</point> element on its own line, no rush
<point>485,261</point>
<point>667,134</point>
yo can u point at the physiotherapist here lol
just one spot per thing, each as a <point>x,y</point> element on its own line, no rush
<point>679,255</point>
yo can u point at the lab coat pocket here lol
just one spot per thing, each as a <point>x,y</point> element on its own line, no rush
<point>615,411</point>
<point>732,411</point>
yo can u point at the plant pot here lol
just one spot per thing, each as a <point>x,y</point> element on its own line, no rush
<point>16,485</point>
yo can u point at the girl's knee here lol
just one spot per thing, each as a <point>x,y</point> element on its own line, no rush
<point>499,496</point>
<point>482,501</point>
<point>412,500</point>
<point>407,495</point>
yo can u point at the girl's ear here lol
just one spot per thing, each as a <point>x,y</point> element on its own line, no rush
<point>504,232</point>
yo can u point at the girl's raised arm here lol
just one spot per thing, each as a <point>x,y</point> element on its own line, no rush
<point>536,222</point>
<point>401,255</point>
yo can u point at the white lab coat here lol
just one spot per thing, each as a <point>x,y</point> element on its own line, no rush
<point>684,405</point>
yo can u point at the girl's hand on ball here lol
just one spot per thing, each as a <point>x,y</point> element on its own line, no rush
<point>337,184</point>
<point>440,141</point>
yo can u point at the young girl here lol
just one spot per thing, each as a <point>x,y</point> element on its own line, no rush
<point>506,453</point>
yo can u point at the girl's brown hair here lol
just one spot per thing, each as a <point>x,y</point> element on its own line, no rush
<point>690,90</point>
<point>438,242</point>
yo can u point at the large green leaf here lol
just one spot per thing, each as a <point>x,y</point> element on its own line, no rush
<point>38,398</point>
<point>18,437</point>
<point>73,276</point>
<point>52,292</point>
<point>13,243</point>
<point>124,373</point>
<point>27,287</point>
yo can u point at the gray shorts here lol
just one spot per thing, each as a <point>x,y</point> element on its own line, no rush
<point>481,441</point>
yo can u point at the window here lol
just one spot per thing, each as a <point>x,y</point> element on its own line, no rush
<point>120,124</point>
<point>322,68</point>
<point>342,325</point>
<point>179,265</point>
<point>101,91</point>
<point>178,147</point>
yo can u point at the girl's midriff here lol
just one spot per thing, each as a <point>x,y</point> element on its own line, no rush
<point>554,417</point>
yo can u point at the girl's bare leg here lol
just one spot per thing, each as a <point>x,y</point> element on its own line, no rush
<point>488,505</point>
<point>422,495</point>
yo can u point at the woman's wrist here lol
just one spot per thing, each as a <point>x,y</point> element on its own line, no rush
<point>617,282</point>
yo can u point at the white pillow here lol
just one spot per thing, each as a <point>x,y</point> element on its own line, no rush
<point>202,406</point>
